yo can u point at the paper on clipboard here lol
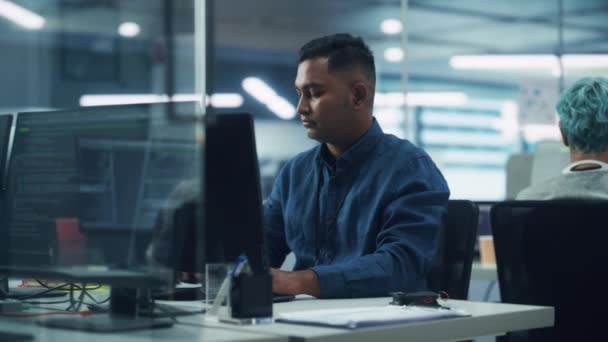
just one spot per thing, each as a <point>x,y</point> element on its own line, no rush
<point>353,318</point>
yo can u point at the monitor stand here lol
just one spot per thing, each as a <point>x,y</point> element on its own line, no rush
<point>127,306</point>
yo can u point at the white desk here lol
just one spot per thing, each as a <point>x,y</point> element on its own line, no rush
<point>487,319</point>
<point>178,332</point>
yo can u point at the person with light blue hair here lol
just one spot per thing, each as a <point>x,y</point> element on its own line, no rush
<point>583,122</point>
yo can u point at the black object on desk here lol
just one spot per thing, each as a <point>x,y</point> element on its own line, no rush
<point>278,298</point>
<point>251,295</point>
<point>423,298</point>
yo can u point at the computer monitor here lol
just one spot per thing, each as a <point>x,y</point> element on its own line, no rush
<point>233,199</point>
<point>232,207</point>
<point>84,186</point>
<point>6,122</point>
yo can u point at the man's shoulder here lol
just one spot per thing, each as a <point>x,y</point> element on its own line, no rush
<point>401,149</point>
<point>302,159</point>
<point>573,185</point>
<point>545,189</point>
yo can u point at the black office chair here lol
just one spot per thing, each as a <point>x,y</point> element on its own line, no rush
<point>451,270</point>
<point>554,253</point>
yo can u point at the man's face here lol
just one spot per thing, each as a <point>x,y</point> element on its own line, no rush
<point>325,101</point>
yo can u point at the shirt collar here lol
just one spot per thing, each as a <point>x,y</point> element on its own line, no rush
<point>572,167</point>
<point>356,153</point>
<point>326,158</point>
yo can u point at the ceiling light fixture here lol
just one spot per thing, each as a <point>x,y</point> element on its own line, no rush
<point>528,62</point>
<point>266,95</point>
<point>129,29</point>
<point>226,100</point>
<point>21,16</point>
<point>219,100</point>
<point>120,99</point>
<point>391,26</point>
<point>393,54</point>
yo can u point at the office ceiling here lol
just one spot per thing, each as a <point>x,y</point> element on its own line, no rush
<point>437,30</point>
<point>272,30</point>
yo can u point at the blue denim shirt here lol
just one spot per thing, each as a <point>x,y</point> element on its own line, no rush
<point>366,223</point>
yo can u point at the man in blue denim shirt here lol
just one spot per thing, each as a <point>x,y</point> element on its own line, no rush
<point>362,210</point>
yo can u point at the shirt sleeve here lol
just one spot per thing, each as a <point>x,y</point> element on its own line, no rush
<point>276,243</point>
<point>405,244</point>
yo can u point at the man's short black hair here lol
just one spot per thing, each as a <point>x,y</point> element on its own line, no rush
<point>342,50</point>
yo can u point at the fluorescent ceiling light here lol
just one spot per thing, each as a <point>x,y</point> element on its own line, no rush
<point>128,29</point>
<point>282,108</point>
<point>266,95</point>
<point>391,26</point>
<point>585,61</point>
<point>21,16</point>
<point>220,100</point>
<point>186,97</point>
<point>258,89</point>
<point>393,54</point>
<point>437,99</point>
<point>528,62</point>
<point>504,62</point>
<point>120,99</point>
<point>226,100</point>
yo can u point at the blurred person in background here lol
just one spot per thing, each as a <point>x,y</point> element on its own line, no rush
<point>583,122</point>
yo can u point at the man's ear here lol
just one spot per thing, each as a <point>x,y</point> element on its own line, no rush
<point>564,137</point>
<point>361,94</point>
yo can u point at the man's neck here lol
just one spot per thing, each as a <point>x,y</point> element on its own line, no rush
<point>338,148</point>
<point>578,156</point>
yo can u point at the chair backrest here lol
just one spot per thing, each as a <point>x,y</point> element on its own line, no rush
<point>554,253</point>
<point>451,270</point>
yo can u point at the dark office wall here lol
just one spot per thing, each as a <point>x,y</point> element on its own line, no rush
<point>40,71</point>
<point>89,64</point>
<point>25,74</point>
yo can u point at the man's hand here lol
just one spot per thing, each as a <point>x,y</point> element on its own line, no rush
<point>293,283</point>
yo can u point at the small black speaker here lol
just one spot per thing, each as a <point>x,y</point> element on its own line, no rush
<point>251,295</point>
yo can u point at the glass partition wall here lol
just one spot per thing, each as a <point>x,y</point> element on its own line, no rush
<point>473,82</point>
